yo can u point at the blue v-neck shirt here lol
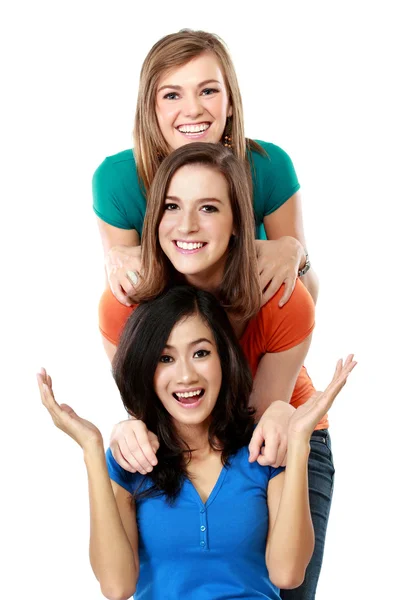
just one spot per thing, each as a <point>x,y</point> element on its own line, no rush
<point>204,551</point>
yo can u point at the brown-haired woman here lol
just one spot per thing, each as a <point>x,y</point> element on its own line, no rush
<point>199,230</point>
<point>189,92</point>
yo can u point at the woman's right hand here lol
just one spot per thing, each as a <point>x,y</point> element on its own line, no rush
<point>123,264</point>
<point>65,418</point>
<point>134,447</point>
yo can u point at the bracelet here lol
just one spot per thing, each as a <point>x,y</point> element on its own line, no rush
<point>306,267</point>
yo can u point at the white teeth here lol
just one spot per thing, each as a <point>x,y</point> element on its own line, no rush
<point>190,245</point>
<point>193,128</point>
<point>188,394</point>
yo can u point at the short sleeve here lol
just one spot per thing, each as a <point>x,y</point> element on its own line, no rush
<point>274,471</point>
<point>106,202</point>
<point>274,177</point>
<point>129,481</point>
<point>113,316</point>
<point>291,324</point>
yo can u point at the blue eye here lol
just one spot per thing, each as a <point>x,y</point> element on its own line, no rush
<point>209,91</point>
<point>201,353</point>
<point>170,96</point>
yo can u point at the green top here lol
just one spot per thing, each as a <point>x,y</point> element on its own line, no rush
<point>119,200</point>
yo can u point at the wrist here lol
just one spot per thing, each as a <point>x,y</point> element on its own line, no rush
<point>93,450</point>
<point>299,445</point>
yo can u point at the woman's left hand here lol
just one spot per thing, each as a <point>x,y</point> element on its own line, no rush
<point>306,417</point>
<point>268,446</point>
<point>65,418</point>
<point>278,263</point>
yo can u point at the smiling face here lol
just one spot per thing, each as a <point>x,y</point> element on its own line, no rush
<point>188,377</point>
<point>192,102</point>
<point>197,225</point>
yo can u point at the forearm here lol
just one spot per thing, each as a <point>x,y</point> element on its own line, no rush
<point>111,555</point>
<point>291,541</point>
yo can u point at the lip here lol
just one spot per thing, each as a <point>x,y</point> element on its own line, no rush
<point>190,404</point>
<point>185,250</point>
<point>194,136</point>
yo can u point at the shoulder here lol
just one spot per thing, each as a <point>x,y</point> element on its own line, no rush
<point>272,156</point>
<point>129,481</point>
<point>121,162</point>
<point>241,467</point>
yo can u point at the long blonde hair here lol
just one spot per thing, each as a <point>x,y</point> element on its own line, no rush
<point>239,291</point>
<point>173,51</point>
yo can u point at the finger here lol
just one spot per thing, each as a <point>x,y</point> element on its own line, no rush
<point>270,451</point>
<point>129,457</point>
<point>119,293</point>
<point>289,282</point>
<point>256,444</point>
<point>126,285</point>
<point>135,449</point>
<point>271,289</point>
<point>281,454</point>
<point>146,446</point>
<point>155,444</point>
<point>117,454</point>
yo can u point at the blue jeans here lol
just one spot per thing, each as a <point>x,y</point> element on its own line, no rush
<point>320,482</point>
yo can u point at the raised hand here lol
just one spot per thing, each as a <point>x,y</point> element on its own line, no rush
<point>65,418</point>
<point>305,418</point>
<point>134,447</point>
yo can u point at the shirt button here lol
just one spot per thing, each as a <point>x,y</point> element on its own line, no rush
<point>202,543</point>
<point>202,510</point>
<point>202,528</point>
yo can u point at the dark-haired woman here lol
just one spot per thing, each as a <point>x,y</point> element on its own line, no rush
<point>205,523</point>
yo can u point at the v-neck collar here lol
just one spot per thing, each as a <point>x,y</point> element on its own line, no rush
<point>216,488</point>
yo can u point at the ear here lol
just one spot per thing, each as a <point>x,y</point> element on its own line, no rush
<point>230,110</point>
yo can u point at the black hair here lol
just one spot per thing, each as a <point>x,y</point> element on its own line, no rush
<point>141,346</point>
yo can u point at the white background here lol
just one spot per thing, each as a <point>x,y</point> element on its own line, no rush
<point>317,78</point>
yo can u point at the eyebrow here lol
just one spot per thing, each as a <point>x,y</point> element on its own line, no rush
<point>199,341</point>
<point>212,199</point>
<point>178,87</point>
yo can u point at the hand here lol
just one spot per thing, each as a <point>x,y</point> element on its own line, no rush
<point>134,447</point>
<point>271,431</point>
<point>278,263</point>
<point>119,262</point>
<point>307,416</point>
<point>83,432</point>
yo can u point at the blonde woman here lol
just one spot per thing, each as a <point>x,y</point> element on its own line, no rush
<point>189,92</point>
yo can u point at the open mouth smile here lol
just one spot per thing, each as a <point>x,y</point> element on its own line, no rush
<point>194,130</point>
<point>188,247</point>
<point>189,399</point>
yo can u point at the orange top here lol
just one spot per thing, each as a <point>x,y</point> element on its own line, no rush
<point>273,329</point>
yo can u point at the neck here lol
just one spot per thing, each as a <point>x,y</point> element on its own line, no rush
<point>196,437</point>
<point>209,280</point>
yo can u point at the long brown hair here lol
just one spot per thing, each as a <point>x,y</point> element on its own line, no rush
<point>239,291</point>
<point>173,51</point>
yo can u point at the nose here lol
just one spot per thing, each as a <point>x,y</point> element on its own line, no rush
<point>186,373</point>
<point>192,107</point>
<point>188,222</point>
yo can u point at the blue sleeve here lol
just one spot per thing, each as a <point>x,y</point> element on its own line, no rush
<point>273,472</point>
<point>128,481</point>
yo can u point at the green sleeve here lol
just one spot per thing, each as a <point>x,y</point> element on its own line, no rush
<point>106,204</point>
<point>274,179</point>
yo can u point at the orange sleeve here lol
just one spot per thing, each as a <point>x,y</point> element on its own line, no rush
<point>292,324</point>
<point>112,316</point>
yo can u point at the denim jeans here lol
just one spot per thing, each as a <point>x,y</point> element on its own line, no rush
<point>320,482</point>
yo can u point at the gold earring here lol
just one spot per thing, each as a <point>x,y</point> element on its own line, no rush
<point>228,141</point>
